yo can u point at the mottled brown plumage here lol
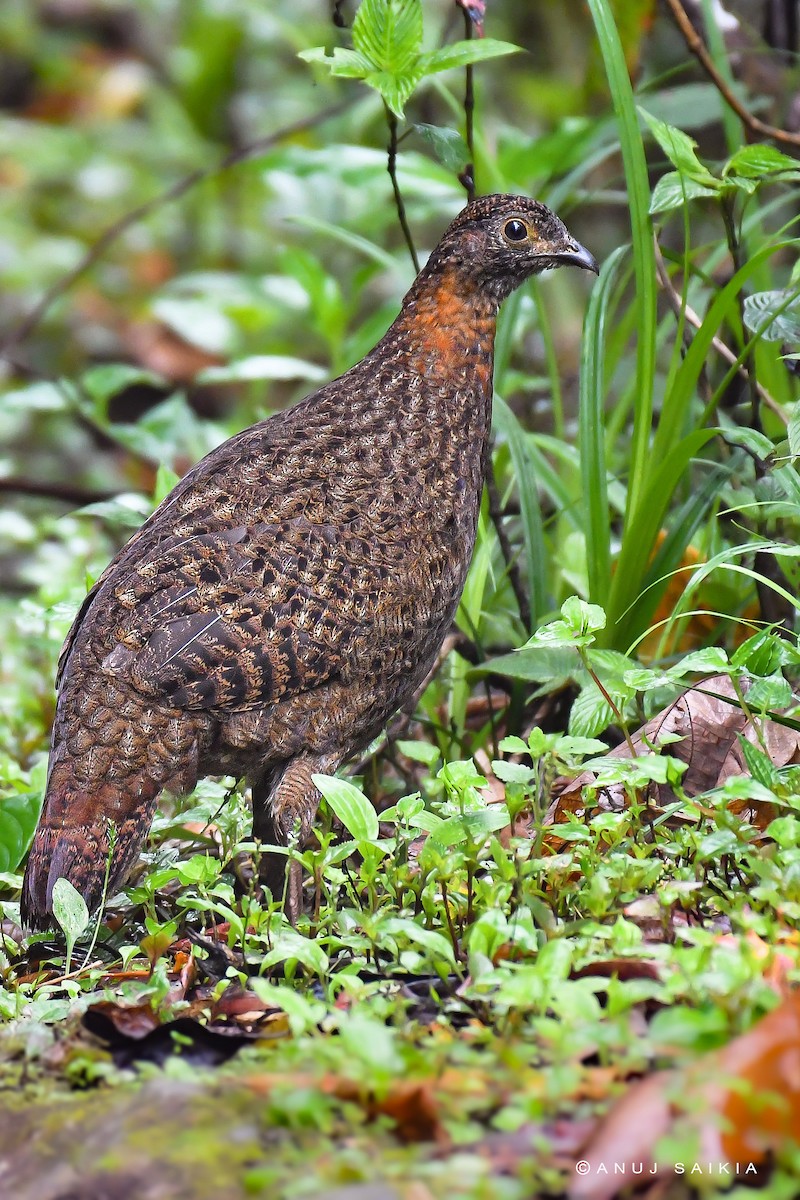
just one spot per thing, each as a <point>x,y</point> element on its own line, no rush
<point>293,590</point>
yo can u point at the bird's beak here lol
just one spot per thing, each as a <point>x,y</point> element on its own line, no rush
<point>578,256</point>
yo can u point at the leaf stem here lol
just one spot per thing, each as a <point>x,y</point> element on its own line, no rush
<point>391,167</point>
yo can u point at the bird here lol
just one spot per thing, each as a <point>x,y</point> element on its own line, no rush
<point>293,590</point>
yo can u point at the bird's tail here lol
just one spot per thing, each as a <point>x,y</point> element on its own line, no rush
<point>90,835</point>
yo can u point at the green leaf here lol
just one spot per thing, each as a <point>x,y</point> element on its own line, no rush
<point>712,660</point>
<point>424,752</point>
<point>303,1012</point>
<point>462,54</point>
<point>775,315</point>
<point>395,89</point>
<point>436,944</point>
<point>680,150</point>
<point>293,947</point>
<point>759,764</point>
<point>592,429</point>
<point>448,145</point>
<point>761,159</point>
<point>536,663</point>
<point>166,480</point>
<point>350,805</point>
<point>104,382</point>
<point>475,826</point>
<point>19,813</point>
<point>772,692</point>
<point>389,33</point>
<point>348,64</point>
<point>199,322</point>
<point>760,654</point>
<point>69,909</point>
<point>508,772</point>
<point>672,190</point>
<point>638,186</point>
<point>590,713</point>
<point>581,621</point>
<point>387,40</point>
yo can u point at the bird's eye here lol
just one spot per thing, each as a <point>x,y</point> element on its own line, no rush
<point>515,231</point>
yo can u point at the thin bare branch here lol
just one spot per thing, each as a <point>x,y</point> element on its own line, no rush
<point>391,167</point>
<point>698,48</point>
<point>65,492</point>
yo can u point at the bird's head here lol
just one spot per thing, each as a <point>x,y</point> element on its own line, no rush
<point>497,242</point>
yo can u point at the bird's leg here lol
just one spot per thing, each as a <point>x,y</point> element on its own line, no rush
<point>283,800</point>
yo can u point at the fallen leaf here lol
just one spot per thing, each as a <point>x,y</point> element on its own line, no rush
<point>742,1103</point>
<point>708,720</point>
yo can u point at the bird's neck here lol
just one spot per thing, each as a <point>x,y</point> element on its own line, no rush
<point>447,327</point>
<point>436,365</point>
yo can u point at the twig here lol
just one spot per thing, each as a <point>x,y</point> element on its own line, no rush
<point>678,306</point>
<point>467,176</point>
<point>512,565</point>
<point>391,167</point>
<point>697,46</point>
<point>67,492</point>
<point>173,192</point>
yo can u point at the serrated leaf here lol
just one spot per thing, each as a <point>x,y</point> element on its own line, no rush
<point>389,33</point>
<point>462,54</point>
<point>672,190</point>
<point>350,805</point>
<point>395,89</point>
<point>590,713</point>
<point>19,813</point>
<point>775,315</point>
<point>557,664</point>
<point>759,764</point>
<point>772,692</point>
<point>710,661</point>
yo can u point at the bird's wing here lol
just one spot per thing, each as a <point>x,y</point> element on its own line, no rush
<point>240,617</point>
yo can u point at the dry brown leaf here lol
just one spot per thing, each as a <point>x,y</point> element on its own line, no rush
<point>742,1102</point>
<point>708,721</point>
